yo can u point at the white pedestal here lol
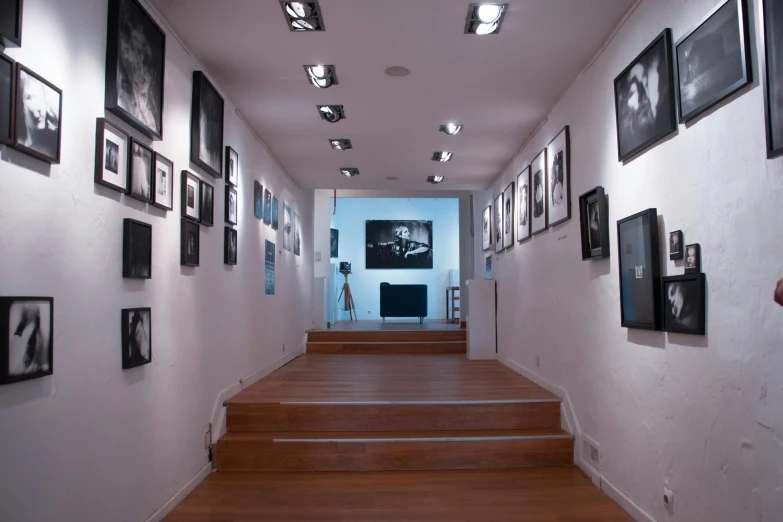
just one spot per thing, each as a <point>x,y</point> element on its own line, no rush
<point>481,321</point>
<point>320,303</point>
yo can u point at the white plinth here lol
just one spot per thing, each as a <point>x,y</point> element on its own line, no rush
<point>481,321</point>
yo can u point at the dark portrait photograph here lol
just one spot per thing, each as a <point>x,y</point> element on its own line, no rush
<point>189,243</point>
<point>258,200</point>
<point>136,249</point>
<point>559,179</point>
<point>37,116</point>
<point>163,177</point>
<point>693,258</point>
<point>135,61</point>
<point>231,206</point>
<point>141,166</point>
<point>334,243</point>
<point>269,268</point>
<point>684,304</point>
<point>486,234</point>
<point>275,216</point>
<point>191,196</point>
<point>538,193</point>
<point>498,223</point>
<point>26,338</point>
<point>136,337</point>
<point>713,59</point>
<point>297,234</point>
<point>11,23</point>
<point>773,59</point>
<point>508,216</point>
<point>206,132</point>
<point>207,204</point>
<point>640,275</point>
<point>6,97</point>
<point>230,246</point>
<point>523,205</point>
<point>232,166</point>
<point>399,244</point>
<point>644,98</point>
<point>111,156</point>
<point>287,226</point>
<point>267,207</point>
<point>675,245</point>
<point>594,224</point>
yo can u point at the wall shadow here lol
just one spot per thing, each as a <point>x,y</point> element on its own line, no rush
<point>650,338</point>
<point>600,267</point>
<point>23,392</point>
<point>14,157</point>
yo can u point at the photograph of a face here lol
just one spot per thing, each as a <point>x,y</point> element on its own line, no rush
<point>684,304</point>
<point>693,258</point>
<point>232,166</point>
<point>6,95</point>
<point>136,337</point>
<point>523,205</point>
<point>141,166</point>
<point>269,268</point>
<point>163,176</point>
<point>639,259</point>
<point>540,199</point>
<point>287,226</point>
<point>275,218</point>
<point>207,204</point>
<point>26,325</point>
<point>258,200</point>
<point>111,156</point>
<point>206,132</point>
<point>37,116</point>
<point>297,234</point>
<point>559,179</point>
<point>486,234</point>
<point>644,98</point>
<point>508,216</point>
<point>136,249</point>
<point>267,207</point>
<point>231,206</point>
<point>11,23</point>
<point>498,223</point>
<point>773,61</point>
<point>189,243</point>
<point>334,242</point>
<point>675,245</point>
<point>404,244</point>
<point>593,218</point>
<point>191,196</point>
<point>230,246</point>
<point>594,224</point>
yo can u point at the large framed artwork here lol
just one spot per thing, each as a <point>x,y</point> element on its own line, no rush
<point>539,201</point>
<point>136,337</point>
<point>498,223</point>
<point>135,67</point>
<point>111,156</point>
<point>230,246</point>
<point>398,244</point>
<point>269,268</point>
<point>559,179</point>
<point>713,59</point>
<point>191,196</point>
<point>773,75</point>
<point>640,270</point>
<point>7,66</point>
<point>206,126</point>
<point>334,243</point>
<point>644,98</point>
<point>37,116</point>
<point>26,338</point>
<point>297,234</point>
<point>232,211</point>
<point>258,200</point>
<point>508,216</point>
<point>164,183</point>
<point>136,249</point>
<point>189,243</point>
<point>523,205</point>
<point>267,207</point>
<point>594,224</point>
<point>140,170</point>
<point>207,204</point>
<point>685,304</point>
<point>11,23</point>
<point>287,226</point>
<point>486,234</point>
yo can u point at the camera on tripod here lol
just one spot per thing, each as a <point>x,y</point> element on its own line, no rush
<point>345,267</point>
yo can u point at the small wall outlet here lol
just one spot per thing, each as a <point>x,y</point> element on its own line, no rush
<point>538,361</point>
<point>317,256</point>
<point>668,499</point>
<point>283,347</point>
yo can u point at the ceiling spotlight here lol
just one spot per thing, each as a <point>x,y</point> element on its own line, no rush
<point>442,156</point>
<point>331,113</point>
<point>451,129</point>
<point>434,179</point>
<point>393,178</point>
<point>349,172</point>
<point>322,76</point>
<point>302,16</point>
<point>485,18</point>
<point>341,144</point>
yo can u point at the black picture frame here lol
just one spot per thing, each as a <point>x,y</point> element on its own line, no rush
<point>232,166</point>
<point>44,145</point>
<point>684,299</point>
<point>275,213</point>
<point>190,243</point>
<point>558,153</point>
<point>676,245</point>
<point>163,175</point>
<point>7,92</point>
<point>111,154</point>
<point>720,77</point>
<point>231,196</point>
<point>136,249</point>
<point>136,324</point>
<point>141,77</point>
<point>269,267</point>
<point>207,113</point>
<point>539,215</point>
<point>640,296</point>
<point>297,234</point>
<point>258,200</point>
<point>140,176</point>
<point>633,135</point>
<point>486,233</point>
<point>267,207</point>
<point>508,216</point>
<point>11,23</point>
<point>693,258</point>
<point>334,243</point>
<point>230,246</point>
<point>207,193</point>
<point>523,206</point>
<point>16,316</point>
<point>190,196</point>
<point>390,244</point>
<point>773,76</point>
<point>594,224</point>
<point>497,219</point>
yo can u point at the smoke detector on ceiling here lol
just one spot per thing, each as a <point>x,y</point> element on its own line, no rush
<point>397,71</point>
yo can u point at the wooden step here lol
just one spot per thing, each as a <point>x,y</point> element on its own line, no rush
<point>400,348</point>
<point>391,335</point>
<point>392,416</point>
<point>394,451</point>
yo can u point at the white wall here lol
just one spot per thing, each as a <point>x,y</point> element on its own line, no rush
<point>350,220</point>
<point>701,414</point>
<point>94,442</point>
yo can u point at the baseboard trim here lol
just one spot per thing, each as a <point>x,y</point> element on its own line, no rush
<point>624,502</point>
<point>180,495</point>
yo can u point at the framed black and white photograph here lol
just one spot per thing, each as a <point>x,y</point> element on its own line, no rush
<point>508,216</point>
<point>258,200</point>
<point>297,234</point>
<point>230,246</point>
<point>189,243</point>
<point>559,178</point>
<point>11,23</point>
<point>136,249</point>
<point>693,258</point>
<point>287,226</point>
<point>640,271</point>
<point>231,206</point>
<point>136,337</point>
<point>523,205</point>
<point>206,126</point>
<point>594,224</point>
<point>498,223</point>
<point>676,245</point>
<point>269,268</point>
<point>135,67</point>
<point>191,196</point>
<point>334,243</point>
<point>540,201</point>
<point>37,116</point>
<point>267,207</point>
<point>111,156</point>
<point>207,204</point>
<point>773,75</point>
<point>232,166</point>
<point>140,168</point>
<point>163,186</point>
<point>644,98</point>
<point>713,59</point>
<point>486,234</point>
<point>7,76</point>
<point>685,304</point>
<point>398,244</point>
<point>275,217</point>
<point>26,338</point>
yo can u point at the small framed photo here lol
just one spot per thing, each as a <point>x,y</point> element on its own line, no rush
<point>498,224</point>
<point>11,23</point>
<point>26,333</point>
<point>675,245</point>
<point>207,204</point>
<point>594,222</point>
<point>140,169</point>
<point>136,337</point>
<point>559,179</point>
<point>111,156</point>
<point>275,213</point>
<point>685,304</point>
<point>523,205</point>
<point>136,249</point>
<point>508,216</point>
<point>640,270</point>
<point>486,234</point>
<point>693,258</point>
<point>232,166</point>
<point>267,207</point>
<point>189,243</point>
<point>206,126</point>
<point>7,66</point>
<point>538,194</point>
<point>163,183</point>
<point>258,200</point>
<point>231,206</point>
<point>191,196</point>
<point>37,116</point>
<point>230,246</point>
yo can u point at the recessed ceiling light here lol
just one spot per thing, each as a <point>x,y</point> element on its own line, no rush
<point>442,156</point>
<point>451,128</point>
<point>331,113</point>
<point>349,172</point>
<point>435,179</point>
<point>485,18</point>
<point>393,178</point>
<point>397,71</point>
<point>341,144</point>
<point>322,76</point>
<point>302,16</point>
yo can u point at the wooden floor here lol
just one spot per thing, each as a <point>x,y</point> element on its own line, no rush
<point>536,494</point>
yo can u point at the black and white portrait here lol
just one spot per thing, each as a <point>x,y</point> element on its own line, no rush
<point>191,196</point>
<point>594,225</point>
<point>206,148</point>
<point>508,216</point>
<point>230,246</point>
<point>269,268</point>
<point>26,342</point>
<point>38,106</point>
<point>297,234</point>
<point>207,204</point>
<point>136,249</point>
<point>675,245</point>
<point>692,258</point>
<point>334,243</point>
<point>644,99</point>
<point>267,207</point>
<point>558,182</point>
<point>141,166</point>
<point>275,218</point>
<point>399,244</point>
<point>538,190</point>
<point>136,337</point>
<point>523,204</point>
<point>498,223</point>
<point>6,96</point>
<point>163,182</point>
<point>712,60</point>
<point>539,197</point>
<point>189,243</point>
<point>258,200</point>
<point>773,41</point>
<point>486,234</point>
<point>684,304</point>
<point>232,167</point>
<point>231,206</point>
<point>287,226</point>
<point>111,156</point>
<point>11,23</point>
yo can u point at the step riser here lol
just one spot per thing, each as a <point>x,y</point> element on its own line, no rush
<point>401,348</point>
<point>332,336</point>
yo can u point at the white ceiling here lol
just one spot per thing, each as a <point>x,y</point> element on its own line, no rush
<point>500,87</point>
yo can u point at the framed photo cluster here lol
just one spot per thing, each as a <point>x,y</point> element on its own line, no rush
<point>684,296</point>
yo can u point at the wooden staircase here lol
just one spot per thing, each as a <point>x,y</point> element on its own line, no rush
<point>391,341</point>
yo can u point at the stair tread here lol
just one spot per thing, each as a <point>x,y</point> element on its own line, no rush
<point>364,435</point>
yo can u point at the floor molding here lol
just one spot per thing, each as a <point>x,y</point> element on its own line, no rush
<point>180,495</point>
<point>624,502</point>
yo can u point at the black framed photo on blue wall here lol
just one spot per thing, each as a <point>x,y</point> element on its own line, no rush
<point>135,67</point>
<point>773,75</point>
<point>136,337</point>
<point>6,100</point>
<point>206,126</point>
<point>398,244</point>
<point>26,338</point>
<point>713,59</point>
<point>334,243</point>
<point>594,223</point>
<point>37,116</point>
<point>640,270</point>
<point>685,304</point>
<point>11,23</point>
<point>644,98</point>
<point>136,249</point>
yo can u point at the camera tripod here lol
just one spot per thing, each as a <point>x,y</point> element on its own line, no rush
<point>348,305</point>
